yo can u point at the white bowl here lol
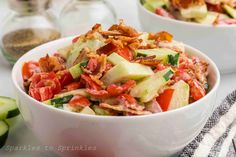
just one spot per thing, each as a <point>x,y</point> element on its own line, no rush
<point>218,42</point>
<point>161,134</point>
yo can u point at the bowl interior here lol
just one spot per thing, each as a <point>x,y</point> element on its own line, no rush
<point>52,47</point>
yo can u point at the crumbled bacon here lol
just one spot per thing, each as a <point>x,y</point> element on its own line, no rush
<point>108,48</point>
<point>122,108</point>
<point>50,63</point>
<point>124,30</point>
<point>161,36</point>
<point>150,60</point>
<point>187,3</point>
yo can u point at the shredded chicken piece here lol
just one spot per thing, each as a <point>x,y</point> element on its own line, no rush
<point>50,63</point>
<point>95,29</point>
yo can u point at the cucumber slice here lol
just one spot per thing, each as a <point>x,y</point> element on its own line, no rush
<point>87,110</point>
<point>165,55</point>
<point>76,70</point>
<point>209,19</point>
<point>58,102</point>
<point>194,12</point>
<point>81,92</point>
<point>100,111</point>
<point>231,11</point>
<point>115,59</point>
<point>148,88</point>
<point>8,108</point>
<point>180,96</point>
<point>4,129</point>
<point>126,71</point>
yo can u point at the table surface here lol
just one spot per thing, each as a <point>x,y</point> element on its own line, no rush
<point>22,136</point>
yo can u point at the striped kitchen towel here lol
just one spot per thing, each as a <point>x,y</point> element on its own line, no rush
<point>216,137</point>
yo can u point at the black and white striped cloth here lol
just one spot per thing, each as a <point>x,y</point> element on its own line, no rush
<point>216,136</point>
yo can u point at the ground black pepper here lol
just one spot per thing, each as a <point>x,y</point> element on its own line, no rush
<point>18,42</point>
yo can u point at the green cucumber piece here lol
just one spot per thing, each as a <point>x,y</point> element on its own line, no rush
<point>194,12</point>
<point>125,71</point>
<point>58,102</point>
<point>231,11</point>
<point>4,130</point>
<point>76,70</point>
<point>92,44</point>
<point>209,19</point>
<point>180,96</point>
<point>174,59</point>
<point>115,59</point>
<point>100,111</point>
<point>8,108</point>
<point>81,92</point>
<point>148,89</point>
<point>87,110</point>
<point>165,55</point>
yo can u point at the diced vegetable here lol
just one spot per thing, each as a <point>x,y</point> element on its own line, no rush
<point>4,129</point>
<point>125,71</point>
<point>115,59</point>
<point>231,11</point>
<point>59,101</point>
<point>209,19</point>
<point>92,44</point>
<point>165,55</point>
<point>180,96</point>
<point>76,70</point>
<point>147,89</point>
<point>100,111</point>
<point>199,11</point>
<point>87,110</point>
<point>164,99</point>
<point>73,92</point>
<point>8,108</point>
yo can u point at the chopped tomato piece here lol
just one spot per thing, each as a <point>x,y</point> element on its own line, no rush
<point>92,64</point>
<point>197,91</point>
<point>64,77</point>
<point>41,94</point>
<point>29,68</point>
<point>164,13</point>
<point>75,39</point>
<point>127,97</point>
<point>90,83</point>
<point>101,94</point>
<point>129,84</point>
<point>73,86</point>
<point>46,84</point>
<point>126,53</point>
<point>164,99</point>
<point>114,90</point>
<point>79,100</point>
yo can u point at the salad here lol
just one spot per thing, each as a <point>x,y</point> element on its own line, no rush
<point>216,12</point>
<point>117,72</point>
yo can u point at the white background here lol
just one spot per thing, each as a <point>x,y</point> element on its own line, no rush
<point>21,136</point>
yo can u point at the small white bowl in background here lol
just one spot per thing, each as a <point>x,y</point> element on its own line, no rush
<point>72,134</point>
<point>218,42</point>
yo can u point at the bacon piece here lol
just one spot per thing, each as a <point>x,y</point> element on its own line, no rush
<point>100,94</point>
<point>161,36</point>
<point>48,64</point>
<point>150,60</point>
<point>122,108</point>
<point>124,30</point>
<point>89,83</point>
<point>82,56</point>
<point>108,48</point>
<point>130,102</point>
<point>187,3</point>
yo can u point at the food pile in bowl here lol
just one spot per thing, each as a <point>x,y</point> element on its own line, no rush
<point>217,12</point>
<point>118,72</point>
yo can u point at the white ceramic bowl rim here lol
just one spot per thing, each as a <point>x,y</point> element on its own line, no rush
<point>183,22</point>
<point>19,63</point>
